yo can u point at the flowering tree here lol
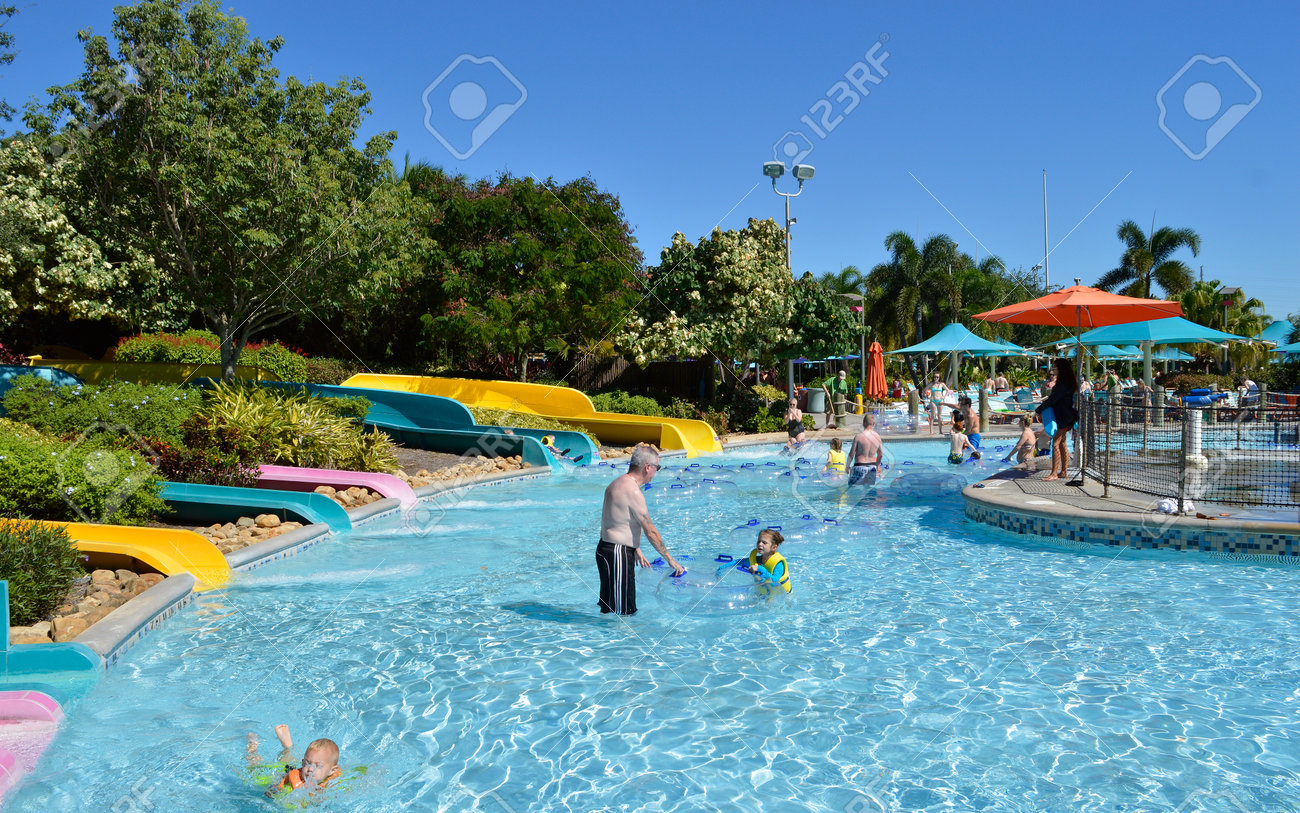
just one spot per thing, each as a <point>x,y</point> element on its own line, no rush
<point>46,264</point>
<point>727,296</point>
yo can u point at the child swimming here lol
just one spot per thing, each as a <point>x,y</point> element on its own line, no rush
<point>959,445</point>
<point>835,458</point>
<point>319,766</point>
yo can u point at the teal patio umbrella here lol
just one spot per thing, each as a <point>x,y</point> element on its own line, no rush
<point>954,339</point>
<point>1171,330</point>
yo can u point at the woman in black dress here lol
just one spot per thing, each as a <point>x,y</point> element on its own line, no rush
<point>1061,402</point>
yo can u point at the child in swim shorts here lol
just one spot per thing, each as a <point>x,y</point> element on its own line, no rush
<point>959,445</point>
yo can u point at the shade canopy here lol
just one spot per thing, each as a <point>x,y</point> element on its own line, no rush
<point>1278,332</point>
<point>1109,352</point>
<point>1294,347</point>
<point>1171,354</point>
<point>1174,330</point>
<point>1008,349</point>
<point>953,338</point>
<point>1081,306</point>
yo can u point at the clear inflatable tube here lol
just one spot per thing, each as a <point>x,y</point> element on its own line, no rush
<point>709,593</point>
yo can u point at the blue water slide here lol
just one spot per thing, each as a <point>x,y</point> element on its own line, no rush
<point>64,671</point>
<point>444,425</point>
<point>9,372</point>
<point>200,504</point>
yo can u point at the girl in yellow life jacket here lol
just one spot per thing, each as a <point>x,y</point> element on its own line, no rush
<point>835,458</point>
<point>769,567</point>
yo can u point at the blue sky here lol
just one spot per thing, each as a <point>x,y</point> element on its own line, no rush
<point>674,108</point>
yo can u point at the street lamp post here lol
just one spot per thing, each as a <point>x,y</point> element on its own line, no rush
<point>862,333</point>
<point>1229,296</point>
<point>802,172</point>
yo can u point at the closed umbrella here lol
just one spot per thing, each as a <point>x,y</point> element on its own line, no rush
<point>875,387</point>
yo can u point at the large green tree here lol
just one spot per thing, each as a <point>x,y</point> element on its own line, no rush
<point>912,284</point>
<point>246,191</point>
<point>1203,303</point>
<point>1147,261</point>
<point>520,265</point>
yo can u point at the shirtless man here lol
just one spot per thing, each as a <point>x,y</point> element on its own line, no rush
<point>865,453</point>
<point>1001,383</point>
<point>622,519</point>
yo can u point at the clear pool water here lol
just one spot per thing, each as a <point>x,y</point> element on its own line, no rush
<point>932,665</point>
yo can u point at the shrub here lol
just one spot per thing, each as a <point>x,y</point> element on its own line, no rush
<point>717,419</point>
<point>619,401</point>
<point>8,356</point>
<point>76,482</point>
<point>283,362</point>
<point>213,453</point>
<point>147,410</point>
<point>681,408</point>
<point>300,430</point>
<point>203,347</point>
<point>524,420</point>
<point>321,370</point>
<point>1183,383</point>
<point>764,420</point>
<point>352,408</point>
<point>40,563</point>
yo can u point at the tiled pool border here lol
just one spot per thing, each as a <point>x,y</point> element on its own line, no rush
<point>1236,539</point>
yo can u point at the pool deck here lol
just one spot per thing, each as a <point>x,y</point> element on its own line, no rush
<point>1024,502</point>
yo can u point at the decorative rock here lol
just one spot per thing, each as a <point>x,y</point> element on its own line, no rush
<point>69,626</point>
<point>267,520</point>
<point>125,575</point>
<point>28,635</point>
<point>102,576</point>
<point>245,522</point>
<point>150,579</point>
<point>85,605</point>
<point>229,527</point>
<point>43,627</point>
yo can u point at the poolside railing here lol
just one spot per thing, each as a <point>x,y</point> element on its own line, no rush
<point>1233,451</point>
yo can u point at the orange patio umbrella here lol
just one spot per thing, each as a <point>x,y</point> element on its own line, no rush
<point>875,387</point>
<point>1082,307</point>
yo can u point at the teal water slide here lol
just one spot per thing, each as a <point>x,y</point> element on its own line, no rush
<point>444,425</point>
<point>199,504</point>
<point>64,671</point>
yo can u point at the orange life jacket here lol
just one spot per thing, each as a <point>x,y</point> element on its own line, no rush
<point>293,778</point>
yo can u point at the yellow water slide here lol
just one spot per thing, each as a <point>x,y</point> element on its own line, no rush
<point>167,550</point>
<point>560,403</point>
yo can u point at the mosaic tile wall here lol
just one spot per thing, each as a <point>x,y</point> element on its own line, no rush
<point>1153,536</point>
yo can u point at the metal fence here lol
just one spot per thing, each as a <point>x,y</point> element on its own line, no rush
<point>1243,451</point>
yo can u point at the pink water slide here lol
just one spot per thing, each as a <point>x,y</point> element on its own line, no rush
<point>293,478</point>
<point>28,722</point>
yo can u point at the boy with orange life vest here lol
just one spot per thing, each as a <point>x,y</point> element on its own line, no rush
<point>320,763</point>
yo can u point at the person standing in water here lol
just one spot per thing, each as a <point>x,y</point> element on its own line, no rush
<point>623,518</point>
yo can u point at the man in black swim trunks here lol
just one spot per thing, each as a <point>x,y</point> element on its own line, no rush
<point>865,453</point>
<point>623,517</point>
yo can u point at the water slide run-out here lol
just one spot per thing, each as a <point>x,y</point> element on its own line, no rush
<point>424,421</point>
<point>202,504</point>
<point>558,403</point>
<point>167,550</point>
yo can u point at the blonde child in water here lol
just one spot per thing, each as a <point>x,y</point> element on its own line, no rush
<point>835,458</point>
<point>319,766</point>
<point>768,566</point>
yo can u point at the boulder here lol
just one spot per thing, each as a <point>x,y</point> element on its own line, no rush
<point>267,520</point>
<point>244,522</point>
<point>328,491</point>
<point>150,579</point>
<point>43,627</point>
<point>85,605</point>
<point>28,635</point>
<point>100,576</point>
<point>69,626</point>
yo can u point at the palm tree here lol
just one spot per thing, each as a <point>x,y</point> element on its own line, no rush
<point>848,280</point>
<point>908,286</point>
<point>1146,260</point>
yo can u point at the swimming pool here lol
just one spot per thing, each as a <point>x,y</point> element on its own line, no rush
<point>934,665</point>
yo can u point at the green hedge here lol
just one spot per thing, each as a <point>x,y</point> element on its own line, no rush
<point>76,482</point>
<point>323,370</point>
<point>107,414</point>
<point>619,401</point>
<point>40,563</point>
<point>203,347</point>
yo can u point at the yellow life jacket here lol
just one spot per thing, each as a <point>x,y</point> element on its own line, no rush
<point>837,461</point>
<point>771,563</point>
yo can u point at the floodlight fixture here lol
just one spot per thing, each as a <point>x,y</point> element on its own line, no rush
<point>773,169</point>
<point>803,172</point>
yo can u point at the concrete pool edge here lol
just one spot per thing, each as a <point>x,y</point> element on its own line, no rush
<point>127,625</point>
<point>1009,510</point>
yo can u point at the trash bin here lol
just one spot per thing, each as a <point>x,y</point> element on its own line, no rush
<point>816,400</point>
